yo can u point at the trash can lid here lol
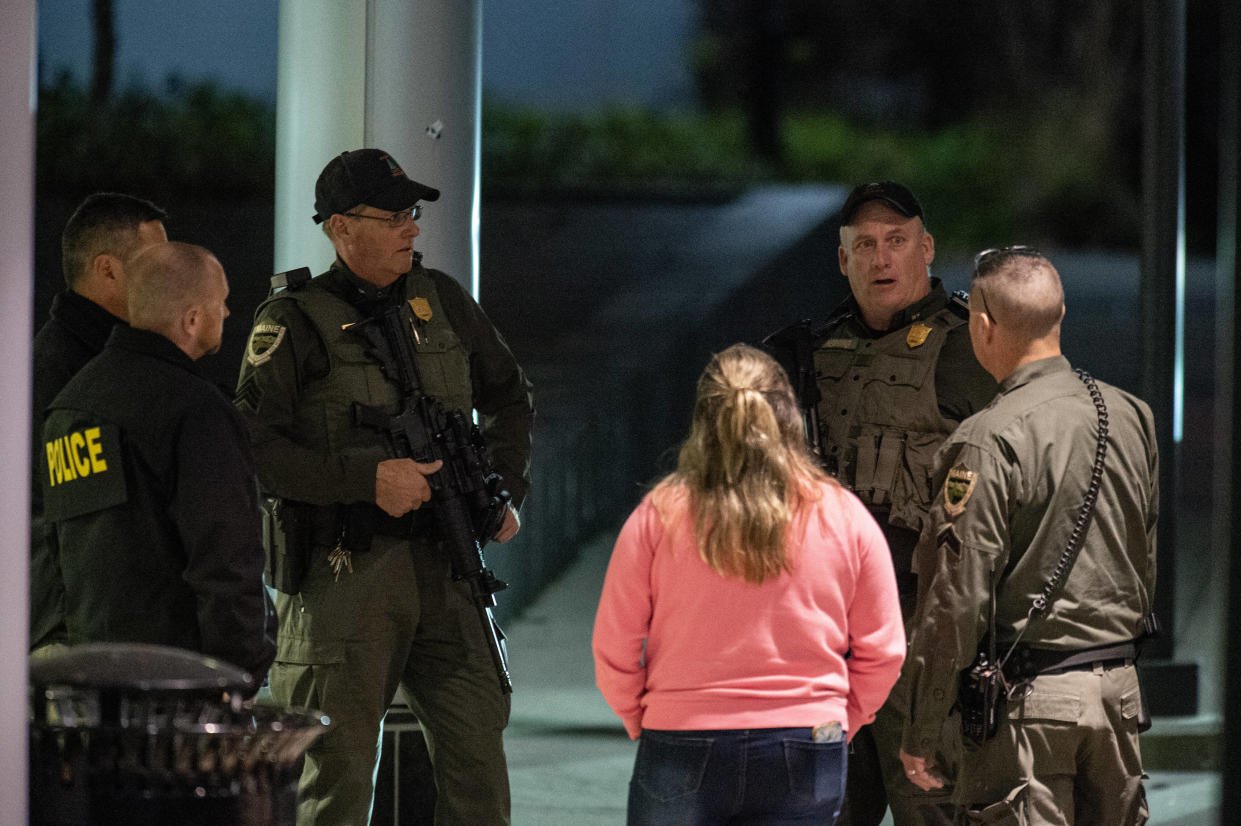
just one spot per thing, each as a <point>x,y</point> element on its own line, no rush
<point>137,666</point>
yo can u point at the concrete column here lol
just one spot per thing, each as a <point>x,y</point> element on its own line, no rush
<point>400,75</point>
<point>1162,298</point>
<point>1228,317</point>
<point>17,105</point>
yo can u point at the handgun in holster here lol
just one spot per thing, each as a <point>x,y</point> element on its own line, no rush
<point>288,539</point>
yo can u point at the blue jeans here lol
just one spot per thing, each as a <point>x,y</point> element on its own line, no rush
<point>760,776</point>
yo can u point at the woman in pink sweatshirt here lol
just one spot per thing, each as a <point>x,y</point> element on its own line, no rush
<point>749,621</point>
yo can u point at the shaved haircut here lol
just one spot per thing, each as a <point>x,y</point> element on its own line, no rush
<point>165,280</point>
<point>1021,290</point>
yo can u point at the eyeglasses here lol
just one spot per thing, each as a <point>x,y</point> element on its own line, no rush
<point>982,299</point>
<point>394,220</point>
<point>990,260</point>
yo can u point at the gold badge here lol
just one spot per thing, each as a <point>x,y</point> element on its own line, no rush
<point>917,335</point>
<point>958,488</point>
<point>421,308</point>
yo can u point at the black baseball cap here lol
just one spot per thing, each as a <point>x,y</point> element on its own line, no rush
<point>366,176</point>
<point>891,193</point>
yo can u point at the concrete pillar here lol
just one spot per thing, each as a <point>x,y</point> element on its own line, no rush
<point>400,75</point>
<point>1162,302</point>
<point>17,118</point>
<point>1228,317</point>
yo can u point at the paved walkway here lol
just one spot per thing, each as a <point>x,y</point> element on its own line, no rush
<point>569,757</point>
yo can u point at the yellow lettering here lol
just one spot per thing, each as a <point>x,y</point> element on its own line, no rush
<point>51,463</point>
<point>80,463</point>
<point>97,464</point>
<point>66,458</point>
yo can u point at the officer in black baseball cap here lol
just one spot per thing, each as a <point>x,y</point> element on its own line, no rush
<point>366,176</point>
<point>379,609</point>
<point>877,430</point>
<point>891,193</point>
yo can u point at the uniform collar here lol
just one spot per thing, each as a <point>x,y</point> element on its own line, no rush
<point>923,308</point>
<point>1027,373</point>
<point>84,318</point>
<point>151,344</point>
<point>359,292</point>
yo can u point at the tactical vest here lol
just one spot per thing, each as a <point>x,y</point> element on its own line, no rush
<point>879,418</point>
<point>325,410</point>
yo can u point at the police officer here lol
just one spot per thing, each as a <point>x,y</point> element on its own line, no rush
<point>891,375</point>
<point>377,607</point>
<point>1014,480</point>
<point>149,483</point>
<point>106,230</point>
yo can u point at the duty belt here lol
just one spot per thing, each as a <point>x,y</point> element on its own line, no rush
<point>1027,663</point>
<point>364,519</point>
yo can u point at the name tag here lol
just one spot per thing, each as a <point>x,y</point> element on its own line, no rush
<point>85,472</point>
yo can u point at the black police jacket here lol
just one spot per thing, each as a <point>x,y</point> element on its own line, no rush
<point>149,486</point>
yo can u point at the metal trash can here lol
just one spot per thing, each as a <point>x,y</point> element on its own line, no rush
<point>147,734</point>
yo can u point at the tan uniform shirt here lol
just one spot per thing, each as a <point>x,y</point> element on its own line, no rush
<point>1019,470</point>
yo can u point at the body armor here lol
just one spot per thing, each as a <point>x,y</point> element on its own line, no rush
<point>325,410</point>
<point>879,418</point>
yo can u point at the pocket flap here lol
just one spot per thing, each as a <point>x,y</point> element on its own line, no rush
<point>1045,705</point>
<point>299,651</point>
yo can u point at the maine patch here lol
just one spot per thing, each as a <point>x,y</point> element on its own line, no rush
<point>264,339</point>
<point>958,488</point>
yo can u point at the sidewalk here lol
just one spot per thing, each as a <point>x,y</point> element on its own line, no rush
<point>568,755</point>
<point>570,759</point>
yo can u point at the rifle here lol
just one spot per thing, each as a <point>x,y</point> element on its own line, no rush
<point>468,497</point>
<point>793,348</point>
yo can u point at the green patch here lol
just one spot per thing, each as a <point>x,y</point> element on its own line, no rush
<point>958,488</point>
<point>264,339</point>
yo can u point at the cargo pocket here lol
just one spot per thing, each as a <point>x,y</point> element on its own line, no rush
<point>1011,811</point>
<point>1046,705</point>
<point>1131,709</point>
<point>300,651</point>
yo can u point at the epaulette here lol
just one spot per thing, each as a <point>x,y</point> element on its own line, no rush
<point>290,280</point>
<point>959,303</point>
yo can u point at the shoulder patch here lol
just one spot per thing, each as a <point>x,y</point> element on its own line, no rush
<point>958,488</point>
<point>85,470</point>
<point>264,339</point>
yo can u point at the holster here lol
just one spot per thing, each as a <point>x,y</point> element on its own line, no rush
<point>288,538</point>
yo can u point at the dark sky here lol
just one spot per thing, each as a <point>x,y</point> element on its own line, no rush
<point>616,52</point>
<point>231,41</point>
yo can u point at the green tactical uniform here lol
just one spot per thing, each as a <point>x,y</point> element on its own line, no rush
<point>1068,751</point>
<point>888,400</point>
<point>396,618</point>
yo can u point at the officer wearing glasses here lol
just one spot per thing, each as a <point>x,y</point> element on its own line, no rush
<point>1043,552</point>
<point>387,613</point>
<point>891,375</point>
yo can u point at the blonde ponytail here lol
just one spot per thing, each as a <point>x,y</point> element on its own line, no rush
<point>745,465</point>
